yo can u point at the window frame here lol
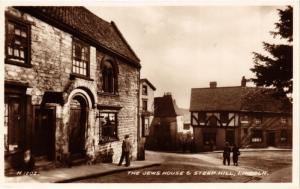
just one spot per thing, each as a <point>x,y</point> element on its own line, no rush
<point>144,92</point>
<point>144,108</point>
<point>111,86</point>
<point>108,138</point>
<point>82,44</point>
<point>27,53</point>
<point>254,136</point>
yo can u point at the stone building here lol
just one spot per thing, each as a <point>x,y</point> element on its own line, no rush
<point>71,86</point>
<point>167,131</point>
<point>241,115</point>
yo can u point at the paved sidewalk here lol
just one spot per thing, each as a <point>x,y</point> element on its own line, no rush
<point>62,175</point>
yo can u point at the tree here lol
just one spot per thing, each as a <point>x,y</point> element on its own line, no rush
<point>276,69</point>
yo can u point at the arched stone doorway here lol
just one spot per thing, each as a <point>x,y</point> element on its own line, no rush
<point>77,124</point>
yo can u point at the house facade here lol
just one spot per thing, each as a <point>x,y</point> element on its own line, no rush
<point>167,130</point>
<point>241,115</point>
<point>71,86</point>
<point>147,90</point>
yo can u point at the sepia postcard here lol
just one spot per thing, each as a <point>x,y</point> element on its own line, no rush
<point>197,94</point>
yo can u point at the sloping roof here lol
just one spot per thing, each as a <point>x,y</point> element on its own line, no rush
<point>237,99</point>
<point>148,82</point>
<point>81,21</point>
<point>165,107</point>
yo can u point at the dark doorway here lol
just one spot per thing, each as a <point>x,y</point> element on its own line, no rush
<point>230,137</point>
<point>77,125</point>
<point>271,139</point>
<point>44,133</point>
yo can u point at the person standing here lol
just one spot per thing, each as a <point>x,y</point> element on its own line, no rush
<point>235,155</point>
<point>226,154</point>
<point>126,150</point>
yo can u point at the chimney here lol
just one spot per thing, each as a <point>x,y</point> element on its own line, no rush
<point>244,81</point>
<point>213,84</point>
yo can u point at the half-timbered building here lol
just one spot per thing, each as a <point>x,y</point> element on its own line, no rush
<point>245,116</point>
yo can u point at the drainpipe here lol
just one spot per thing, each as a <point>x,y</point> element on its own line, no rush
<point>138,107</point>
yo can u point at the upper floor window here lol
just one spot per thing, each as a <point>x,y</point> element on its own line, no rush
<point>109,77</point>
<point>258,120</point>
<point>81,54</point>
<point>202,117</point>
<point>145,105</point>
<point>283,120</point>
<point>17,42</point>
<point>144,90</point>
<point>224,116</point>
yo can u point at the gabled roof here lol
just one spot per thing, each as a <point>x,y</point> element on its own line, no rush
<point>81,22</point>
<point>148,82</point>
<point>165,107</point>
<point>250,99</point>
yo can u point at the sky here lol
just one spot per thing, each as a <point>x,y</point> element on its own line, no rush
<point>184,47</point>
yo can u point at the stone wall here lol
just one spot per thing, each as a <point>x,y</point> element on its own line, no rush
<point>51,59</point>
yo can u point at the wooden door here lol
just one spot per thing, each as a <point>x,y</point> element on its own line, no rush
<point>230,137</point>
<point>271,139</point>
<point>77,124</point>
<point>44,133</point>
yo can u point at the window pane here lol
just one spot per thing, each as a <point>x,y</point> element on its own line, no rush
<point>16,52</point>
<point>21,53</point>
<point>24,34</point>
<point>17,31</point>
<point>10,51</point>
<point>10,28</point>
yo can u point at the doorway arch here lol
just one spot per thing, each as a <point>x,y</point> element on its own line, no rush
<point>78,124</point>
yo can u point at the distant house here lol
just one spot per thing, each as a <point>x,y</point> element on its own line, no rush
<point>246,116</point>
<point>167,128</point>
<point>146,106</point>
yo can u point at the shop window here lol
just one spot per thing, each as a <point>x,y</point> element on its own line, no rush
<point>257,136</point>
<point>17,42</point>
<point>108,126</point>
<point>81,54</point>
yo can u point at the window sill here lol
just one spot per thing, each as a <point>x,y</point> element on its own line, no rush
<point>104,141</point>
<point>73,76</point>
<point>25,65</point>
<point>107,94</point>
